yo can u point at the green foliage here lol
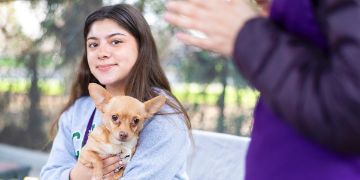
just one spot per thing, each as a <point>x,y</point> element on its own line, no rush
<point>17,86</point>
<point>193,94</point>
<point>190,93</point>
<point>200,67</point>
<point>47,87</point>
<point>44,61</point>
<point>158,6</point>
<point>10,62</point>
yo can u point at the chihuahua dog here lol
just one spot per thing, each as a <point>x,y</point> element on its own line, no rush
<point>123,118</point>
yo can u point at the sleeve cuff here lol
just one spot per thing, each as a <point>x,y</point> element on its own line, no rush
<point>65,175</point>
<point>252,45</point>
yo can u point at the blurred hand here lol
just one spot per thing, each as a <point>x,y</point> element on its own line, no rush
<point>110,163</point>
<point>219,20</point>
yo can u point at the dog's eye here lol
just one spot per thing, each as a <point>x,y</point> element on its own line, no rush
<point>114,117</point>
<point>136,121</point>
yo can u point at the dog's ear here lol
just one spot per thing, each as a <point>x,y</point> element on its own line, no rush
<point>99,95</point>
<point>153,105</point>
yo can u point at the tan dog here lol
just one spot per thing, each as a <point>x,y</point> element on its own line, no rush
<point>122,120</point>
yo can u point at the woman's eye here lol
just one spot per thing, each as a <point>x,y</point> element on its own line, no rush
<point>115,42</point>
<point>92,45</point>
<point>114,117</point>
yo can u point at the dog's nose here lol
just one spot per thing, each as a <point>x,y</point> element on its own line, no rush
<point>123,135</point>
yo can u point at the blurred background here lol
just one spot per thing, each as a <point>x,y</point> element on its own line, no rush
<point>41,45</point>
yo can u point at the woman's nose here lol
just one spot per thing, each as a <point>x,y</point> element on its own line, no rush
<point>103,52</point>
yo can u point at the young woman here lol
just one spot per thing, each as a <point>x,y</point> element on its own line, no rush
<point>304,60</point>
<point>121,55</point>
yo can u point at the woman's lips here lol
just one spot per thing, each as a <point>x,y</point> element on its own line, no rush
<point>105,68</point>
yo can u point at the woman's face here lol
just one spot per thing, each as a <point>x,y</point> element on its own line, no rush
<point>111,53</point>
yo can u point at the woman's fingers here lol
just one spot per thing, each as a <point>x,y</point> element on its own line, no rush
<point>219,20</point>
<point>114,168</point>
<point>108,175</point>
<point>193,40</point>
<point>180,21</point>
<point>182,7</point>
<point>110,160</point>
<point>111,163</point>
<point>187,15</point>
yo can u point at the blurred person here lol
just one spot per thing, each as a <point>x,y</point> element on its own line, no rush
<point>120,54</point>
<point>304,60</point>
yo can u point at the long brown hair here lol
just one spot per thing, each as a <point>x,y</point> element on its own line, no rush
<point>145,75</point>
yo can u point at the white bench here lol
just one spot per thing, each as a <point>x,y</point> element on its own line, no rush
<point>25,157</point>
<point>217,156</point>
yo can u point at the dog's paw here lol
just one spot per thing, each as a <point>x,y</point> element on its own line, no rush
<point>125,157</point>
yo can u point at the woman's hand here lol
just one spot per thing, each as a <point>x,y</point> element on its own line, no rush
<point>110,165</point>
<point>219,20</point>
<point>79,171</point>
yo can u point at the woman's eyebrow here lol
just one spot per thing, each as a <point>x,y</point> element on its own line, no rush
<point>89,38</point>
<point>114,34</point>
<point>108,36</point>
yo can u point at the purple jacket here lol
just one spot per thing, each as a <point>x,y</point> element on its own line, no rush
<point>305,62</point>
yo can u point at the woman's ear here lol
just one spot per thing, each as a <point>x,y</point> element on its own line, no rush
<point>154,105</point>
<point>99,95</point>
